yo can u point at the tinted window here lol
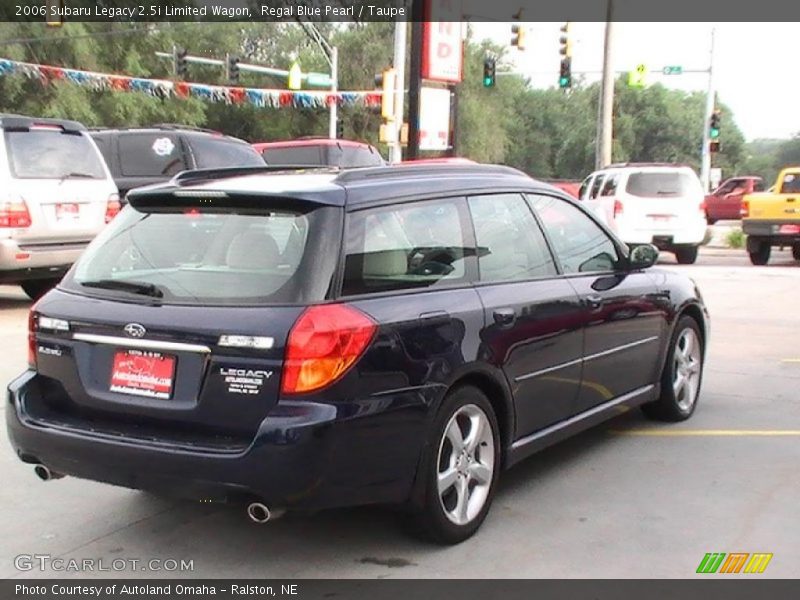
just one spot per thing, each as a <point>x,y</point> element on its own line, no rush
<point>104,145</point>
<point>294,156</point>
<point>584,186</point>
<point>610,186</point>
<point>578,242</point>
<point>656,184</point>
<point>51,154</point>
<point>216,152</point>
<point>150,155</point>
<point>408,246</point>
<point>510,243</point>
<point>196,255</point>
<point>357,156</point>
<point>728,187</point>
<point>758,186</point>
<point>598,181</point>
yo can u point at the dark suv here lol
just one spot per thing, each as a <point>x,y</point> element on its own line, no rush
<point>302,340</point>
<point>143,156</point>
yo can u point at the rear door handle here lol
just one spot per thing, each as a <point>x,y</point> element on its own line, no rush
<point>433,317</point>
<point>594,301</point>
<point>504,317</point>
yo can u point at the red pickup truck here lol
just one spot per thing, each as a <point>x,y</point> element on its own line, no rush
<point>725,202</point>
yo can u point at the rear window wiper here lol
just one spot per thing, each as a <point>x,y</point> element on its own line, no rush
<point>134,287</point>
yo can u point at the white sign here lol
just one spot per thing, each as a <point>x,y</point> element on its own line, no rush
<point>434,119</point>
<point>715,177</point>
<point>442,41</point>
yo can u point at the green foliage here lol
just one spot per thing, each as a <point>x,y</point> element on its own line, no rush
<point>735,239</point>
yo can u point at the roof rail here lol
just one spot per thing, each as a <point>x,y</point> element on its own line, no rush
<point>643,164</point>
<point>391,171</point>
<point>196,175</point>
<point>184,127</point>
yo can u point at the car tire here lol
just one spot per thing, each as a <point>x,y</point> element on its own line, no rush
<point>796,251</point>
<point>760,254</point>
<point>686,255</point>
<point>459,484</point>
<point>682,376</point>
<point>710,220</point>
<point>36,288</point>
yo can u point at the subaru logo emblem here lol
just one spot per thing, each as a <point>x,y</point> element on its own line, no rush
<point>135,330</point>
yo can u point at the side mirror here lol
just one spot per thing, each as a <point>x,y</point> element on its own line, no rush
<point>643,256</point>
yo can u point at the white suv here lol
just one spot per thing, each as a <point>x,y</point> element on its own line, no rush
<point>650,203</point>
<point>56,194</point>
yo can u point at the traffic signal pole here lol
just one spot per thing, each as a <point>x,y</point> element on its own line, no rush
<point>705,156</point>
<point>605,122</point>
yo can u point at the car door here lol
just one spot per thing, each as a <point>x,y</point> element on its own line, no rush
<point>532,317</point>
<point>623,317</point>
<point>731,199</point>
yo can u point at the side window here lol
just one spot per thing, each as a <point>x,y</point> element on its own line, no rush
<point>727,188</point>
<point>598,181</point>
<point>150,155</point>
<point>212,152</point>
<point>758,185</point>
<point>510,244</point>
<point>579,243</point>
<point>584,187</point>
<point>610,186</point>
<point>414,245</point>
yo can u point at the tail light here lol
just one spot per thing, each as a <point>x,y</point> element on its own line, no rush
<point>32,321</point>
<point>14,213</point>
<point>703,207</point>
<point>323,344</point>
<point>112,207</point>
<point>744,209</point>
<point>618,208</point>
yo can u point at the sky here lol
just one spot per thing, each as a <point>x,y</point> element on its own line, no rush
<point>755,64</point>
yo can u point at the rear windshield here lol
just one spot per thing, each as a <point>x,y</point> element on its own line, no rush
<point>216,152</point>
<point>662,184</point>
<point>298,156</point>
<point>52,154</point>
<point>196,256</point>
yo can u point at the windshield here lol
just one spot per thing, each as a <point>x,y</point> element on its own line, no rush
<point>195,256</point>
<point>663,184</point>
<point>52,154</point>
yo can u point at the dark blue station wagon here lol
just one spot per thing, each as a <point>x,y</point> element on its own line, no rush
<point>308,339</point>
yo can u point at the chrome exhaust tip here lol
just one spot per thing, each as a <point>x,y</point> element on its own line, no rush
<point>45,474</point>
<point>260,512</point>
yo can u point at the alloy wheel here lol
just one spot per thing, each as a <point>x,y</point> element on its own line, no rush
<point>686,370</point>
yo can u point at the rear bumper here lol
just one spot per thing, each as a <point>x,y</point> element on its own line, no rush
<point>690,235</point>
<point>305,455</point>
<point>19,262</point>
<point>770,231</point>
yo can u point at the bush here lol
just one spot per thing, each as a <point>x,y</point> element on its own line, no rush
<point>735,239</point>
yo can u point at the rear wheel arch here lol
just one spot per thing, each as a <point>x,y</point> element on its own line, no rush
<point>696,313</point>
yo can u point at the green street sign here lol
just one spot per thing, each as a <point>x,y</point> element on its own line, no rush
<point>318,79</point>
<point>672,70</point>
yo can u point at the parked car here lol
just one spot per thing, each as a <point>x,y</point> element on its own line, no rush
<point>310,339</point>
<point>566,185</point>
<point>144,156</point>
<point>650,203</point>
<point>725,203</point>
<point>319,152</point>
<point>57,195</point>
<point>773,218</point>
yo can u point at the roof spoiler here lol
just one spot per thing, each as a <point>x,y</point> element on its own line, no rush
<point>22,123</point>
<point>197,175</point>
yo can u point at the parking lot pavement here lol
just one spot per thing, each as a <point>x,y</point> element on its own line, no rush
<point>628,499</point>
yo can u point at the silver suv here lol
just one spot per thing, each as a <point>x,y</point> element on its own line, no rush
<point>57,194</point>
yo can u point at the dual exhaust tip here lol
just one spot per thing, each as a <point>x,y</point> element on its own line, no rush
<point>257,511</point>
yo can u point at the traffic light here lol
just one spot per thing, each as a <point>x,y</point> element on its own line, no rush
<point>714,125</point>
<point>489,71</point>
<point>518,36</point>
<point>565,50</point>
<point>386,82</point>
<point>232,68</point>
<point>714,146</point>
<point>180,66</point>
<point>339,129</point>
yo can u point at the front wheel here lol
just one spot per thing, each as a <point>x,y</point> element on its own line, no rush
<point>686,255</point>
<point>683,373</point>
<point>460,467</point>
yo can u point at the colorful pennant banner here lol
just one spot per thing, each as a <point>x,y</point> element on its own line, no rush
<point>162,88</point>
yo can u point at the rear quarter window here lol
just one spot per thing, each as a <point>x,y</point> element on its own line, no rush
<point>216,152</point>
<point>150,155</point>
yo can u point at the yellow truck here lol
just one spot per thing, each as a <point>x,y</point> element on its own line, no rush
<point>773,218</point>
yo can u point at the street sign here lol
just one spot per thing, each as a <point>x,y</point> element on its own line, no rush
<point>638,77</point>
<point>318,79</point>
<point>434,119</point>
<point>672,70</point>
<point>442,41</point>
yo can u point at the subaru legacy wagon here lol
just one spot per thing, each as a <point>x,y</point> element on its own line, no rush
<point>311,339</point>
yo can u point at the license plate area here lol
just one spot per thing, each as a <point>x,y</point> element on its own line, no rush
<point>143,373</point>
<point>68,211</point>
<point>661,218</point>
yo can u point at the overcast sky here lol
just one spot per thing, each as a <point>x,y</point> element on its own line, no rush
<point>755,64</point>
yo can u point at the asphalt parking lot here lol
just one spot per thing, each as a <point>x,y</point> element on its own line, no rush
<point>628,499</point>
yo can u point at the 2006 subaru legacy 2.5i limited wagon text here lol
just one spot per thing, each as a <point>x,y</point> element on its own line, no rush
<point>309,339</point>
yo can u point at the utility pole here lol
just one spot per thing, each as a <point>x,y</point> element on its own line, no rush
<point>395,147</point>
<point>415,79</point>
<point>705,154</point>
<point>605,124</point>
<point>334,64</point>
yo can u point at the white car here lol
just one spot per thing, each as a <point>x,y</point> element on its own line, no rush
<point>57,194</point>
<point>650,203</point>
